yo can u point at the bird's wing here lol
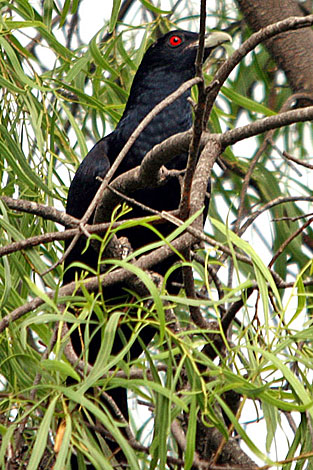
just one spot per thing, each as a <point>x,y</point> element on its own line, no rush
<point>82,191</point>
<point>88,179</point>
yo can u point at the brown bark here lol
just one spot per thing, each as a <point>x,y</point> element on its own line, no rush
<point>290,50</point>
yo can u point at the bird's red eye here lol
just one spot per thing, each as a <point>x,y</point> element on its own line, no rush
<point>175,41</point>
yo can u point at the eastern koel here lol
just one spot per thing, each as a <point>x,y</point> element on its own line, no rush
<point>166,65</point>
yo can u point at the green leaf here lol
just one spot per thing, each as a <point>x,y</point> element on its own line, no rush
<point>42,295</point>
<point>150,286</point>
<point>99,58</point>
<point>65,445</point>
<point>65,11</point>
<point>114,14</point>
<point>247,103</point>
<point>271,418</point>
<point>42,435</point>
<point>21,75</point>
<point>6,441</point>
<point>103,356</point>
<point>191,433</point>
<point>58,366</point>
<point>293,381</point>
<point>156,10</point>
<point>301,295</point>
<point>7,283</point>
<point>18,162</point>
<point>10,86</point>
<point>107,422</point>
<point>156,387</point>
<point>76,128</point>
<point>257,262</point>
<point>242,433</point>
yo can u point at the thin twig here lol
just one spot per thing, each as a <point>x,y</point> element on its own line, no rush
<point>289,240</point>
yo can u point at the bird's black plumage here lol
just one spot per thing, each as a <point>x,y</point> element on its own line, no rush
<point>167,64</point>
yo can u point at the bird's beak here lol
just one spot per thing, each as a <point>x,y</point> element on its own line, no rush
<point>213,40</point>
<point>216,38</point>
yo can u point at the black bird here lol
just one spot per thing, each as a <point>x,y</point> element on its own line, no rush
<point>166,65</point>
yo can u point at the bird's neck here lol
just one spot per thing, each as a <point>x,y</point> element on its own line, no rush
<point>147,91</point>
<point>151,86</point>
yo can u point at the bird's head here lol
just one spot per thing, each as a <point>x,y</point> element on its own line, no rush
<point>177,50</point>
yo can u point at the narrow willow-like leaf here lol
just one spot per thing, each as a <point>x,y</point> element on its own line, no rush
<point>294,382</point>
<point>153,8</point>
<point>104,419</point>
<point>114,14</point>
<point>105,348</point>
<point>242,433</point>
<point>21,75</point>
<point>80,137</point>
<point>191,433</point>
<point>247,103</point>
<point>99,59</point>
<point>65,445</point>
<point>58,366</point>
<point>7,437</point>
<point>41,437</point>
<point>150,286</point>
<point>65,11</point>
<point>258,263</point>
